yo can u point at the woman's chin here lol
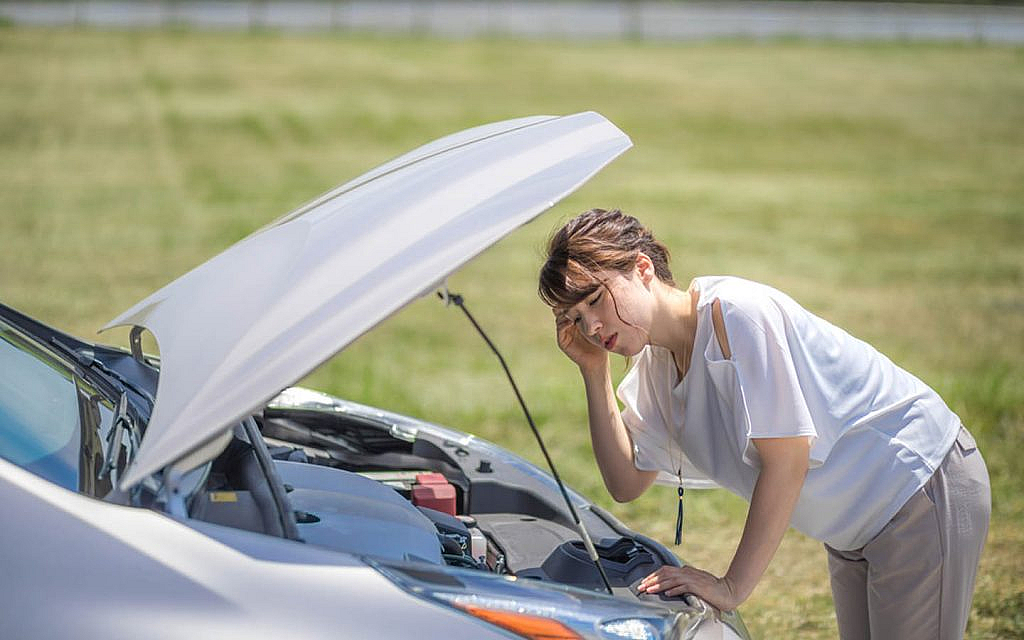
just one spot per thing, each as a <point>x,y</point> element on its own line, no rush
<point>629,351</point>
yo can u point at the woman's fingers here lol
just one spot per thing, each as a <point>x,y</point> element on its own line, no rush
<point>674,581</point>
<point>665,579</point>
<point>569,338</point>
<point>575,345</point>
<point>565,329</point>
<point>661,579</point>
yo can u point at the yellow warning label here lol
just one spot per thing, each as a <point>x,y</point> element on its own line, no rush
<point>223,496</point>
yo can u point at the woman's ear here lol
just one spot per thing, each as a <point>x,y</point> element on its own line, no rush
<point>644,268</point>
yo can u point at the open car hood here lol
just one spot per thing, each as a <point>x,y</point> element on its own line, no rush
<point>239,328</point>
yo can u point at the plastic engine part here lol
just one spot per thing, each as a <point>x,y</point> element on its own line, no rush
<point>433,491</point>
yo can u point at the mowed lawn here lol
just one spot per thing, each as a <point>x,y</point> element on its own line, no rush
<point>882,185</point>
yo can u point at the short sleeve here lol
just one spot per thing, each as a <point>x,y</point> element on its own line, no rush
<point>773,401</point>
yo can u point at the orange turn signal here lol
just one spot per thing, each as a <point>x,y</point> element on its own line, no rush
<point>532,627</point>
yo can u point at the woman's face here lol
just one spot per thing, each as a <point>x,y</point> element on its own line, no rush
<point>617,315</point>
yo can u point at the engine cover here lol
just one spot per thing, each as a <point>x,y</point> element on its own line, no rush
<point>347,512</point>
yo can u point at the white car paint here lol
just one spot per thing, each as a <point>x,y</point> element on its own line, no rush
<point>123,572</point>
<point>236,330</point>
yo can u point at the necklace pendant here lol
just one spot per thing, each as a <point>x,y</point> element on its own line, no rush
<point>679,517</point>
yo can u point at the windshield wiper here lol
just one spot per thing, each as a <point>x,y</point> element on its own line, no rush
<point>125,381</point>
<point>115,437</point>
<point>122,419</point>
<point>87,358</point>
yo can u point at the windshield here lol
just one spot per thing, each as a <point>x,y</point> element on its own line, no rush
<point>52,422</point>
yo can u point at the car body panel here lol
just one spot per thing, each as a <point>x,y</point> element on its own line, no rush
<point>116,572</point>
<point>239,328</point>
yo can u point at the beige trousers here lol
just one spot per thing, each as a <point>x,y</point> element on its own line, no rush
<point>915,579</point>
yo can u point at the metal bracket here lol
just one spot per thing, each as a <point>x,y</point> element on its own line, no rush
<point>135,341</point>
<point>173,499</point>
<point>442,292</point>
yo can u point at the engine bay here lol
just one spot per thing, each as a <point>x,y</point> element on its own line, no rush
<point>357,484</point>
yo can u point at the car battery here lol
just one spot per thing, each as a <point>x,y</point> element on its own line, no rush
<point>433,491</point>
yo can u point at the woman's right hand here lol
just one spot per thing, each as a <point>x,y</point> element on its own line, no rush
<point>573,344</point>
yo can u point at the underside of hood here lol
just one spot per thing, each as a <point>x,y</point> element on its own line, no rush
<point>256,318</point>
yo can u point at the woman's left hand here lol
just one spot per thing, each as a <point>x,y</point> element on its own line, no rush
<point>674,581</point>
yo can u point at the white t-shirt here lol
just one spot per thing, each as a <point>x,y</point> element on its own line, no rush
<point>878,433</point>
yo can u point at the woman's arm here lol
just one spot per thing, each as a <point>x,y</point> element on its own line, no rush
<point>613,448</point>
<point>783,469</point>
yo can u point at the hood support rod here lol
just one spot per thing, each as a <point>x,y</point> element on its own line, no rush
<point>456,299</point>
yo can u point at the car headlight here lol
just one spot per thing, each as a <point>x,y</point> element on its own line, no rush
<point>546,622</point>
<point>629,629</point>
<point>547,611</point>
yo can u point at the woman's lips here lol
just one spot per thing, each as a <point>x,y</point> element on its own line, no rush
<point>609,344</point>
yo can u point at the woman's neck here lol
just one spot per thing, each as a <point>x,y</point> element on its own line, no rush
<point>674,325</point>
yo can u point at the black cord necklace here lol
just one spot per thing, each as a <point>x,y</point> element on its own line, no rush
<point>679,513</point>
<point>687,356</point>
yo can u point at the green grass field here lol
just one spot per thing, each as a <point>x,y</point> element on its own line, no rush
<point>882,185</point>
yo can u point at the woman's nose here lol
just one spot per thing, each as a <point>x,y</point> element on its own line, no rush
<point>591,325</point>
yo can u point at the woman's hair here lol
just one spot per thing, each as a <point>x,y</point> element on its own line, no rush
<point>596,240</point>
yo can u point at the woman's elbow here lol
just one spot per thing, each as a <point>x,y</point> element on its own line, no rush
<point>619,490</point>
<point>630,489</point>
<point>620,495</point>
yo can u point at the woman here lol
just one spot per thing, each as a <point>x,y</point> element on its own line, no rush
<point>734,384</point>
